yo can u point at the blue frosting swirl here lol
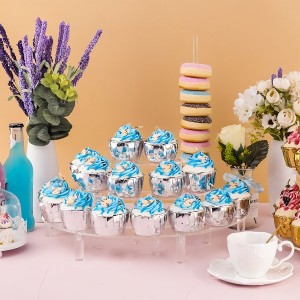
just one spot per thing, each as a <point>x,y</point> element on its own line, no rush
<point>56,188</point>
<point>188,202</point>
<point>236,186</point>
<point>79,199</point>
<point>218,197</point>
<point>168,168</point>
<point>110,205</point>
<point>127,133</point>
<point>125,169</point>
<point>149,204</point>
<point>92,160</point>
<point>199,159</point>
<point>161,136</point>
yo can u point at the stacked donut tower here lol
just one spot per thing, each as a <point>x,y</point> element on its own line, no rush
<point>196,108</point>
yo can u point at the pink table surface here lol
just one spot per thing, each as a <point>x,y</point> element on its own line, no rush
<point>45,268</point>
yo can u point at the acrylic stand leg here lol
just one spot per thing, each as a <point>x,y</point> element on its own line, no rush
<point>156,249</point>
<point>240,225</point>
<point>79,246</point>
<point>48,229</point>
<point>180,248</point>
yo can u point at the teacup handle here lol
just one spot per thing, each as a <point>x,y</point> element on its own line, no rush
<point>279,248</point>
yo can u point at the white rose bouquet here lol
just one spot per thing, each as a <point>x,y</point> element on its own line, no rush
<point>235,152</point>
<point>272,105</point>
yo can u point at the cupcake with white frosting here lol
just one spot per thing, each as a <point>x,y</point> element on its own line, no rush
<point>167,179</point>
<point>199,173</point>
<point>219,208</point>
<point>90,170</point>
<point>126,180</point>
<point>148,216</point>
<point>75,210</point>
<point>126,144</point>
<point>161,145</point>
<point>186,214</point>
<point>109,215</point>
<point>51,195</point>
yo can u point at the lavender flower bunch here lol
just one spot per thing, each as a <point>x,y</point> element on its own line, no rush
<point>38,81</point>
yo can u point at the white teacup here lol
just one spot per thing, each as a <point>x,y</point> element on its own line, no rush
<point>251,256</point>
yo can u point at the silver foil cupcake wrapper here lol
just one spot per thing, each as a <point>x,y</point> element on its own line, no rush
<point>126,150</point>
<point>186,221</point>
<point>109,225</point>
<point>157,153</point>
<point>149,225</point>
<point>90,182</point>
<point>166,187</point>
<point>242,207</point>
<point>50,212</point>
<point>199,183</point>
<point>76,220</point>
<point>127,187</point>
<point>219,215</point>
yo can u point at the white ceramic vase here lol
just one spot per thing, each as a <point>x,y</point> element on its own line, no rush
<point>45,168</point>
<point>278,172</point>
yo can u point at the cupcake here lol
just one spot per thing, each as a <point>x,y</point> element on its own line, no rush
<point>109,216</point>
<point>167,179</point>
<point>51,195</point>
<point>199,173</point>
<point>148,216</point>
<point>160,145</point>
<point>75,210</point>
<point>186,214</point>
<point>219,208</point>
<point>90,170</point>
<point>126,180</point>
<point>291,149</point>
<point>295,229</point>
<point>239,192</point>
<point>127,144</point>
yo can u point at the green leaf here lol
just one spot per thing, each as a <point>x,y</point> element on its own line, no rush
<point>12,97</point>
<point>56,109</point>
<point>34,140</point>
<point>38,100</point>
<point>258,152</point>
<point>60,94</point>
<point>69,106</point>
<point>53,120</point>
<point>64,126</point>
<point>54,87</point>
<point>34,129</point>
<point>56,68</point>
<point>44,135</point>
<point>59,135</point>
<point>45,82</point>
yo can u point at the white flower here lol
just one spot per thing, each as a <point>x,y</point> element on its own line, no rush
<point>264,85</point>
<point>273,97</point>
<point>286,118</point>
<point>269,121</point>
<point>296,106</point>
<point>282,84</point>
<point>294,78</point>
<point>233,134</point>
<point>247,104</point>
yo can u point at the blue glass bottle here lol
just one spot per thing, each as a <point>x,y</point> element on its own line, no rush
<point>19,173</point>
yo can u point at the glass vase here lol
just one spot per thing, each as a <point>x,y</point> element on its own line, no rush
<point>251,220</point>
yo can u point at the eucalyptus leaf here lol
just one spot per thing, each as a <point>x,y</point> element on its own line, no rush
<point>33,130</point>
<point>56,109</point>
<point>44,135</point>
<point>69,106</point>
<point>53,120</point>
<point>34,140</point>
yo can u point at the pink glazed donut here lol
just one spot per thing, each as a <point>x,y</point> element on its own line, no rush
<point>195,70</point>
<point>194,84</point>
<point>192,148</point>
<point>190,135</point>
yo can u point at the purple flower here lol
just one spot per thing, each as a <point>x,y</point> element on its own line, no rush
<point>48,50</point>
<point>4,61</point>
<point>15,92</point>
<point>41,44</point>
<point>273,77</point>
<point>64,60</point>
<point>28,56</point>
<point>7,43</point>
<point>59,42</point>
<point>84,61</point>
<point>38,25</point>
<point>279,73</point>
<point>20,48</point>
<point>27,99</point>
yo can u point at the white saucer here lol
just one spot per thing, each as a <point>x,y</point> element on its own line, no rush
<point>224,270</point>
